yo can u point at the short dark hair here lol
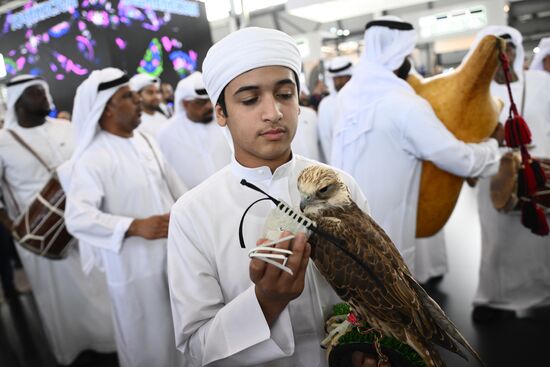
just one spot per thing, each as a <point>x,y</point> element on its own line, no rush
<point>221,101</point>
<point>221,98</point>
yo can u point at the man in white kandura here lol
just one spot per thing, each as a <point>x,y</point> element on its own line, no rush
<point>74,308</point>
<point>191,140</point>
<point>515,264</point>
<point>541,61</point>
<point>120,191</point>
<point>229,310</point>
<point>340,70</point>
<point>148,89</point>
<point>385,131</point>
<point>306,140</point>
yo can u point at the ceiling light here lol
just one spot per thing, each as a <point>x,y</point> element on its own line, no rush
<point>324,11</point>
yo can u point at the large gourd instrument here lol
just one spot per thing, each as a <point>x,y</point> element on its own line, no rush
<point>463,102</point>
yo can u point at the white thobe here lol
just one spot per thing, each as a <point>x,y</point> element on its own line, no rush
<point>195,150</point>
<point>168,110</point>
<point>74,308</point>
<point>151,124</point>
<point>217,318</point>
<point>515,263</point>
<point>430,258</point>
<point>115,181</point>
<point>386,160</point>
<point>327,115</point>
<point>306,142</point>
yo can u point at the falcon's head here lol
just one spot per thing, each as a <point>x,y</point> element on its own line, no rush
<point>321,188</point>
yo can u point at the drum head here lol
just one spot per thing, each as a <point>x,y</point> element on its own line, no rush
<point>504,184</point>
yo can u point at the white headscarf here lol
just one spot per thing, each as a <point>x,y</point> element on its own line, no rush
<point>244,50</point>
<point>20,83</point>
<point>499,30</point>
<point>189,89</point>
<point>385,50</point>
<point>544,50</point>
<point>340,66</point>
<point>89,104</point>
<point>140,81</point>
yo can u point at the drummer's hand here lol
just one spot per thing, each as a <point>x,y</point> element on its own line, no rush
<point>498,134</point>
<point>360,359</point>
<point>472,181</point>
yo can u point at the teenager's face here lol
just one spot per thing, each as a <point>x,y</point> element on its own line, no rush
<point>150,97</point>
<point>262,114</point>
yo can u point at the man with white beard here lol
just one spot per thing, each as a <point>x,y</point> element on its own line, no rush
<point>120,191</point>
<point>191,140</point>
<point>74,308</point>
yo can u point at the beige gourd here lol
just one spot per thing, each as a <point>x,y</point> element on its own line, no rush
<point>462,101</point>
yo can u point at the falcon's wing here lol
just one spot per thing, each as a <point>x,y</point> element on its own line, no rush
<point>383,292</point>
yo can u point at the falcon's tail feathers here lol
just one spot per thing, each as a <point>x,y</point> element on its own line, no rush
<point>427,351</point>
<point>446,325</point>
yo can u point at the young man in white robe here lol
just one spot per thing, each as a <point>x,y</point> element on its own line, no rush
<point>120,191</point>
<point>191,140</point>
<point>541,61</point>
<point>385,131</point>
<point>73,307</point>
<point>148,89</point>
<point>514,273</point>
<point>230,310</point>
<point>340,70</point>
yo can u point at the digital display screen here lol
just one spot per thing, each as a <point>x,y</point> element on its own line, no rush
<point>64,40</point>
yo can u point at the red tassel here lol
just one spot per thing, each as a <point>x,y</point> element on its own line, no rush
<point>516,132</point>
<point>529,184</point>
<point>540,176</point>
<point>534,218</point>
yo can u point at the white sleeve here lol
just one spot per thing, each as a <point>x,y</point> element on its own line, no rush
<point>174,182</point>
<point>324,127</point>
<point>207,329</point>
<point>425,137</point>
<point>83,217</point>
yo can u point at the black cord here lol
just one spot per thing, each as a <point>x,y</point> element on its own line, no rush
<point>339,243</point>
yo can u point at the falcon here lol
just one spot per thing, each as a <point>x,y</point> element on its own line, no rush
<point>366,270</point>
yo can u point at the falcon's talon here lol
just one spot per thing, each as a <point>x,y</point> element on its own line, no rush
<point>337,330</point>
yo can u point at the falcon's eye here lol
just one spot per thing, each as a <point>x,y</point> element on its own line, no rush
<point>324,189</point>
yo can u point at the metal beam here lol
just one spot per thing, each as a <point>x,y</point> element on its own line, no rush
<point>292,24</point>
<point>275,16</point>
<point>528,7</point>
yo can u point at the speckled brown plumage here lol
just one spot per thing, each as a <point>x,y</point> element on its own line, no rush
<point>377,283</point>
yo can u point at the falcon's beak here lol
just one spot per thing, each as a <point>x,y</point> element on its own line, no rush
<point>305,201</point>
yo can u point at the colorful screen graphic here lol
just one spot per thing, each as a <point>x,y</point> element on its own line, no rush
<point>63,40</point>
